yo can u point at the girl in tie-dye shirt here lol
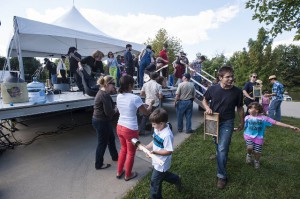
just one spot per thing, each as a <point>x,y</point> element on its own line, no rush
<point>255,126</point>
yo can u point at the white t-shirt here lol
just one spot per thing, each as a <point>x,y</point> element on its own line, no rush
<point>60,66</point>
<point>128,104</point>
<point>152,89</point>
<point>163,140</point>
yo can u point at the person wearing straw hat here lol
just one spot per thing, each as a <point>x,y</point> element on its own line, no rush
<point>277,97</point>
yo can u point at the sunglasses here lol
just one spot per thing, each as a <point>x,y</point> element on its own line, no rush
<point>254,76</point>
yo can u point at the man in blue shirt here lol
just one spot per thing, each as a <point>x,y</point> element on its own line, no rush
<point>277,97</point>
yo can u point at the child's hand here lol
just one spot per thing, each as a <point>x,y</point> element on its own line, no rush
<point>295,128</point>
<point>138,149</point>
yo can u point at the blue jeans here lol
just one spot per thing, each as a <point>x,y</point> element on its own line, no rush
<point>275,110</point>
<point>197,87</point>
<point>156,182</point>
<point>184,107</point>
<point>53,79</point>
<point>224,139</point>
<point>141,73</point>
<point>106,138</point>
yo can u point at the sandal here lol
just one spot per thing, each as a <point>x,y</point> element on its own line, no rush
<point>133,175</point>
<point>104,166</point>
<point>120,176</point>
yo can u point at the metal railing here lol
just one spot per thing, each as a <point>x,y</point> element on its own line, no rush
<point>203,77</point>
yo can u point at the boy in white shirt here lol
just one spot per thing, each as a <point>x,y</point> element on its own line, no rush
<point>162,147</point>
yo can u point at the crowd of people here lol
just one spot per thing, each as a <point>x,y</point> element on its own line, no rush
<point>222,97</point>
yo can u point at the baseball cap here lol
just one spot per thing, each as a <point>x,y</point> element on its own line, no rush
<point>187,75</point>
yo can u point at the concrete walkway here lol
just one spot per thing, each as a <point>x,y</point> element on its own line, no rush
<point>290,109</point>
<point>61,166</point>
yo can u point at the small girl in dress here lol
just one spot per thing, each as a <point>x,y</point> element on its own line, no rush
<point>255,126</point>
<point>265,101</point>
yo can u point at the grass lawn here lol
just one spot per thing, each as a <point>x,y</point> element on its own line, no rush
<point>278,177</point>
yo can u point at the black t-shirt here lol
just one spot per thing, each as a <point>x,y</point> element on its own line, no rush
<point>51,67</point>
<point>249,88</point>
<point>96,66</point>
<point>74,62</point>
<point>224,101</point>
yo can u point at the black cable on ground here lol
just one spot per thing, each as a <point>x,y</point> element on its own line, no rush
<point>60,129</point>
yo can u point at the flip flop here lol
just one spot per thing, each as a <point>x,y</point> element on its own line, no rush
<point>133,175</point>
<point>120,176</point>
<point>104,166</point>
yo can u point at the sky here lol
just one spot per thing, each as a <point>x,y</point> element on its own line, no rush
<point>210,27</point>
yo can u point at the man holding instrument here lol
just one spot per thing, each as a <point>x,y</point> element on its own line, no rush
<point>248,91</point>
<point>162,147</point>
<point>223,98</point>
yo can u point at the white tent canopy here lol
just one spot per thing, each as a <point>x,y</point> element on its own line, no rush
<point>36,39</point>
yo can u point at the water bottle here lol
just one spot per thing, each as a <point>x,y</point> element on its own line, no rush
<point>36,92</point>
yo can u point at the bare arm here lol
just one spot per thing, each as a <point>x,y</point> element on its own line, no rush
<point>160,96</point>
<point>247,95</point>
<point>176,99</point>
<point>206,106</point>
<point>142,94</point>
<point>144,110</point>
<point>149,146</point>
<point>240,111</point>
<point>162,152</point>
<point>287,126</point>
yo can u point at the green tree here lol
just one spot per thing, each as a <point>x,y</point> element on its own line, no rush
<point>30,65</point>
<point>281,15</point>
<point>257,49</point>
<point>2,62</point>
<point>286,60</point>
<point>213,65</point>
<point>240,62</point>
<point>162,37</point>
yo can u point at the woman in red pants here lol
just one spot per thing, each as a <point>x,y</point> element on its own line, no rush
<point>127,128</point>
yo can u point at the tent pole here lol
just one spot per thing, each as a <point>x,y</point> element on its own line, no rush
<point>19,52</point>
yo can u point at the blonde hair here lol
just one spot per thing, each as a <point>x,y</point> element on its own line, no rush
<point>103,81</point>
<point>97,53</point>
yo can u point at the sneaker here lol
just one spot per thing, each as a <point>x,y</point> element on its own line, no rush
<point>221,183</point>
<point>256,164</point>
<point>179,130</point>
<point>178,185</point>
<point>248,159</point>
<point>189,132</point>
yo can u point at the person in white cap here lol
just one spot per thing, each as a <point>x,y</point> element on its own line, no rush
<point>277,97</point>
